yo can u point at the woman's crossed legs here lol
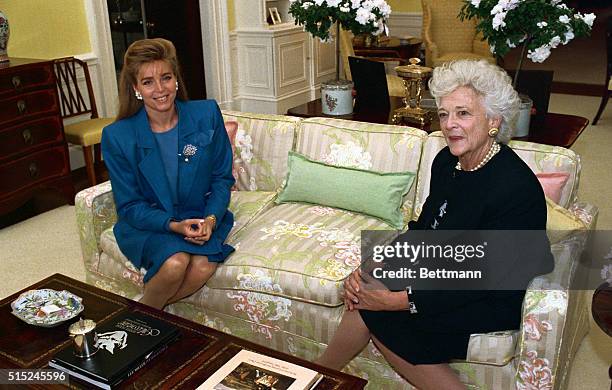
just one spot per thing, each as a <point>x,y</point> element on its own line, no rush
<point>180,275</point>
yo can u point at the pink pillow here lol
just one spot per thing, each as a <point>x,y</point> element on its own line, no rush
<point>232,128</point>
<point>553,183</point>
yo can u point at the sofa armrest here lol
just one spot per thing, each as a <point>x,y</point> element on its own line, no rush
<point>95,211</point>
<point>551,327</point>
<point>586,212</point>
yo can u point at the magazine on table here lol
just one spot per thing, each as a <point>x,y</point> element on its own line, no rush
<point>252,370</point>
<point>125,344</point>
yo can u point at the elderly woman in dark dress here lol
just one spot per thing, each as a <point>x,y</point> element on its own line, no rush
<point>170,165</point>
<point>482,185</point>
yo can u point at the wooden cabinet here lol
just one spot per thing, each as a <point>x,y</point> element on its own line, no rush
<point>33,150</point>
<point>279,65</point>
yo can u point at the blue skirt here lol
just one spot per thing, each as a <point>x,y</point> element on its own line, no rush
<point>160,246</point>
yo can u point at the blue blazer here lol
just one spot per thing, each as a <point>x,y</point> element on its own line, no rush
<point>140,187</point>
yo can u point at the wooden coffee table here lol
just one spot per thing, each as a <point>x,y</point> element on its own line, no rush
<point>187,363</point>
<point>558,129</point>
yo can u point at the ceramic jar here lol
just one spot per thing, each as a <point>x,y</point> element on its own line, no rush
<point>337,97</point>
<point>524,117</point>
<point>4,37</point>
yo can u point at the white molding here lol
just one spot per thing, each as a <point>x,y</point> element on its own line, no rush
<point>216,48</point>
<point>405,23</point>
<point>105,82</point>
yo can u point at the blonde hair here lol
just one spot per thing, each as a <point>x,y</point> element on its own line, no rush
<point>489,81</point>
<point>139,53</point>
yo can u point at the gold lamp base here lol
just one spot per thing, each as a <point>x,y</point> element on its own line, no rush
<point>415,115</point>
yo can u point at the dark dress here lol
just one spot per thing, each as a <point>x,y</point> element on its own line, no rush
<point>502,195</point>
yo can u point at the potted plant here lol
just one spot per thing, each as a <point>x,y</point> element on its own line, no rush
<point>538,26</point>
<point>358,16</point>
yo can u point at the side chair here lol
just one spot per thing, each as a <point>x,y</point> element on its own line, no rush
<point>394,83</point>
<point>88,132</point>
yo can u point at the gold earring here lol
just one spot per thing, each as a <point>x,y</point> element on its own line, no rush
<point>493,132</point>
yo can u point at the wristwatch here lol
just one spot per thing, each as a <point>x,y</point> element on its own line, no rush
<point>411,306</point>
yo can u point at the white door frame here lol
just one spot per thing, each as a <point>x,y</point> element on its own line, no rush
<point>102,52</point>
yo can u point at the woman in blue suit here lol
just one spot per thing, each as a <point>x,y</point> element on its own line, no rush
<point>170,165</point>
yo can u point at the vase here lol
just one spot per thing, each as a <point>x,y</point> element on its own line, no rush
<point>4,37</point>
<point>524,117</point>
<point>337,97</point>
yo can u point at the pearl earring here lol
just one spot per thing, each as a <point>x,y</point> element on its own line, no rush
<point>138,95</point>
<point>177,85</point>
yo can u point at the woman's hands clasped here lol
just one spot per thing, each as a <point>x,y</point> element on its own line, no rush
<point>361,291</point>
<point>195,230</point>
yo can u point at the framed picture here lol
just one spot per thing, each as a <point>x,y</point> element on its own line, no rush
<point>274,15</point>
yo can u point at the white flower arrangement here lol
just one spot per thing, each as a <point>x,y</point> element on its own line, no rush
<point>537,25</point>
<point>359,16</point>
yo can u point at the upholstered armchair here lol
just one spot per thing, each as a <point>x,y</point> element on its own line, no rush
<point>394,83</point>
<point>448,38</point>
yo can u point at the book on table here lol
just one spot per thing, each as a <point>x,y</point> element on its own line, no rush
<point>252,370</point>
<point>125,344</point>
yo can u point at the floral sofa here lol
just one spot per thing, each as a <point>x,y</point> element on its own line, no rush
<point>282,287</point>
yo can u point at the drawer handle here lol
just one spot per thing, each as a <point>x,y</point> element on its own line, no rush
<point>27,137</point>
<point>16,80</point>
<point>21,106</point>
<point>33,168</point>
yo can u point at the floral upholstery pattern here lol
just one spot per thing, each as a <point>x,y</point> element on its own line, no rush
<point>282,286</point>
<point>380,148</point>
<point>307,249</point>
<point>262,143</point>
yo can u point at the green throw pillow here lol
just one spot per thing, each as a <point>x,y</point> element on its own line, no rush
<point>377,194</point>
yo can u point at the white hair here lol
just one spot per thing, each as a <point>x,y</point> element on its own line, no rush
<point>489,81</point>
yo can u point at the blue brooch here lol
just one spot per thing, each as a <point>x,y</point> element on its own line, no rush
<point>189,150</point>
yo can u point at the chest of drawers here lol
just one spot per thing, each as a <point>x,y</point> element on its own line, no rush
<point>33,149</point>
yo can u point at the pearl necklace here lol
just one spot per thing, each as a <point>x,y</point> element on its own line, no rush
<point>495,148</point>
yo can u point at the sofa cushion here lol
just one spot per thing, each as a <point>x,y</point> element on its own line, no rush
<point>377,194</point>
<point>296,251</point>
<point>261,146</point>
<point>553,184</point>
<point>376,147</point>
<point>560,222</point>
<point>539,157</point>
<point>496,348</point>
<point>245,205</point>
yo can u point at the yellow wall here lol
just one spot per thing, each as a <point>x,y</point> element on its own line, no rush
<point>405,5</point>
<point>396,6</point>
<point>46,28</point>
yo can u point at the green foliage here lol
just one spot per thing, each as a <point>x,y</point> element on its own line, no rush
<point>541,25</point>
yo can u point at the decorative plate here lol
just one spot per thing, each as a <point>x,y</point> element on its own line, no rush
<point>46,307</point>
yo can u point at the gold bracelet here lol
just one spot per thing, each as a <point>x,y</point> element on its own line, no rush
<point>214,219</point>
